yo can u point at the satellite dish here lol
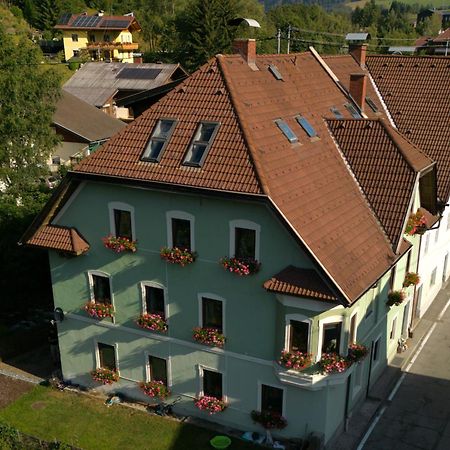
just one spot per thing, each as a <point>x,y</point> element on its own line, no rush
<point>58,314</point>
<point>250,22</point>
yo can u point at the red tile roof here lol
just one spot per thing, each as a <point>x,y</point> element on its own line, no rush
<point>443,37</point>
<point>301,283</point>
<point>64,239</point>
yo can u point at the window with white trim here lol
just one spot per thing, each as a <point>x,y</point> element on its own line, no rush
<point>121,218</point>
<point>244,239</point>
<point>272,399</point>
<point>74,37</point>
<point>153,299</point>
<point>331,337</point>
<point>393,329</point>
<point>180,230</point>
<point>201,143</point>
<point>100,287</point>
<point>106,356</point>
<point>157,369</point>
<point>212,313</point>
<point>433,277</point>
<point>158,140</point>
<point>212,383</point>
<point>298,336</point>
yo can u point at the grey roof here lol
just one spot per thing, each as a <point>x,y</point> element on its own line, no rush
<point>97,82</point>
<point>357,36</point>
<point>84,120</point>
<point>402,49</point>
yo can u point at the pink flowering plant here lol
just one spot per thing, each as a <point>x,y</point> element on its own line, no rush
<point>411,279</point>
<point>356,352</point>
<point>395,298</point>
<point>155,388</point>
<point>269,419</point>
<point>119,244</point>
<point>417,224</point>
<point>99,310</point>
<point>333,363</point>
<point>177,255</point>
<point>295,360</point>
<point>209,336</point>
<point>105,376</point>
<point>211,404</point>
<point>240,266</point>
<point>153,322</point>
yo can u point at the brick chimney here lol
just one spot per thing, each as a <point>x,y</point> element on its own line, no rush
<point>358,51</point>
<point>247,49</point>
<point>358,88</point>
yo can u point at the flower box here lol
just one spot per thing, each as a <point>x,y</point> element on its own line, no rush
<point>356,352</point>
<point>411,279</point>
<point>119,244</point>
<point>395,298</point>
<point>209,336</point>
<point>240,266</point>
<point>155,389</point>
<point>176,255</point>
<point>99,310</point>
<point>269,419</point>
<point>211,404</point>
<point>333,363</point>
<point>153,322</point>
<point>416,224</point>
<point>295,360</point>
<point>105,376</point>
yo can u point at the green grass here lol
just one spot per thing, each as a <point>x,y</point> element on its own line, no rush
<point>87,423</point>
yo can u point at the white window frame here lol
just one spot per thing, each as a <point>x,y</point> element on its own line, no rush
<point>393,329</point>
<point>97,354</point>
<point>287,329</point>
<point>123,207</point>
<point>183,216</point>
<point>327,320</point>
<point>242,223</point>
<point>99,273</point>
<point>200,308</point>
<point>157,285</point>
<point>168,360</point>
<point>201,369</point>
<point>353,314</point>
<point>433,277</point>
<point>259,398</point>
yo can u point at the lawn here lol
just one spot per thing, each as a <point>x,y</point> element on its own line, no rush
<point>87,423</point>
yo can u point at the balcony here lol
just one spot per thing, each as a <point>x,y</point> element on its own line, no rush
<point>123,46</point>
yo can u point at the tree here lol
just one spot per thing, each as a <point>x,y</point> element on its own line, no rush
<point>28,94</point>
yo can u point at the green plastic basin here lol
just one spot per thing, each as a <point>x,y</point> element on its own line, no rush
<point>220,442</point>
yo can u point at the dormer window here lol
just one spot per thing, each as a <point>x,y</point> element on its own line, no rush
<point>158,140</point>
<point>202,141</point>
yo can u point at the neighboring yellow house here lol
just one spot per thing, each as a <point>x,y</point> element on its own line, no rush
<point>105,38</point>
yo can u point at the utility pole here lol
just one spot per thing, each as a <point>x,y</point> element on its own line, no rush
<point>279,41</point>
<point>288,39</point>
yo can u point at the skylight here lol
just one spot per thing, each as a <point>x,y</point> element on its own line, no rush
<point>372,105</point>
<point>203,138</point>
<point>310,131</point>
<point>158,140</point>
<point>336,113</point>
<point>353,111</point>
<point>284,127</point>
<point>275,72</point>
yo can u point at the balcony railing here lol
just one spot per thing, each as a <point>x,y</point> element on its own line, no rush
<point>112,46</point>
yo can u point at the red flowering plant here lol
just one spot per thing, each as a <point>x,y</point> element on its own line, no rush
<point>411,279</point>
<point>269,419</point>
<point>153,322</point>
<point>333,363</point>
<point>177,255</point>
<point>295,360</point>
<point>119,244</point>
<point>417,224</point>
<point>209,336</point>
<point>395,298</point>
<point>356,352</point>
<point>155,389</point>
<point>105,376</point>
<point>211,404</point>
<point>240,266</point>
<point>99,310</point>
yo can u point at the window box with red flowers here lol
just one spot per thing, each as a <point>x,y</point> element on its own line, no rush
<point>177,255</point>
<point>119,244</point>
<point>411,279</point>
<point>269,419</point>
<point>333,363</point>
<point>105,376</point>
<point>99,311</point>
<point>152,322</point>
<point>209,336</point>
<point>395,298</point>
<point>357,352</point>
<point>295,360</point>
<point>241,266</point>
<point>155,389</point>
<point>416,224</point>
<point>210,404</point>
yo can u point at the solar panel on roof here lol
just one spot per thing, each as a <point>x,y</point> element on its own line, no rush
<point>284,127</point>
<point>64,19</point>
<point>275,72</point>
<point>114,24</point>
<point>353,111</point>
<point>336,113</point>
<point>132,73</point>
<point>86,21</point>
<point>303,122</point>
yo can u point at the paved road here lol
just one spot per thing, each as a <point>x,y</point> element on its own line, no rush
<point>419,415</point>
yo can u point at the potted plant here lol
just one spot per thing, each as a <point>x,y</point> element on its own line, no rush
<point>240,266</point>
<point>333,363</point>
<point>395,298</point>
<point>153,322</point>
<point>411,279</point>
<point>295,360</point>
<point>119,244</point>
<point>211,404</point>
<point>417,224</point>
<point>155,388</point>
<point>209,336</point>
<point>269,420</point>
<point>99,310</point>
<point>177,255</point>
<point>357,352</point>
<point>105,376</point>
